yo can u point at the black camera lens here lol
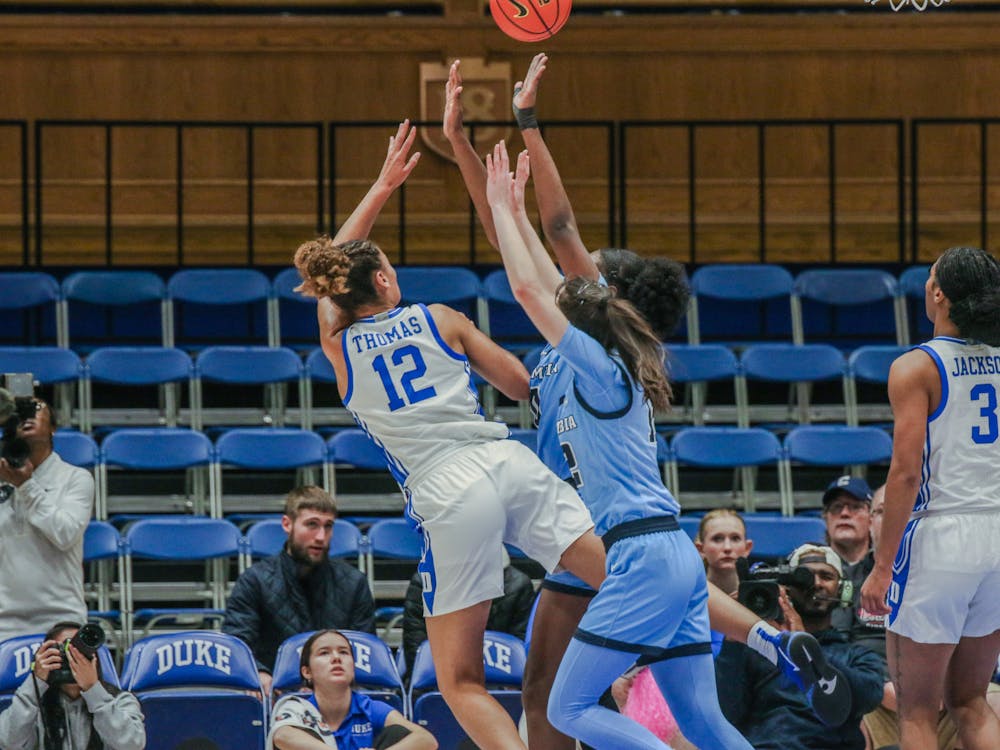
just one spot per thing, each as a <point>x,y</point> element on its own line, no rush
<point>88,639</point>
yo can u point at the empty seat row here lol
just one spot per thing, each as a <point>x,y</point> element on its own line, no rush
<point>729,302</point>
<point>274,368</point>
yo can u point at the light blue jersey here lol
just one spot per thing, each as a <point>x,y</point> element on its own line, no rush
<point>550,381</point>
<point>606,433</point>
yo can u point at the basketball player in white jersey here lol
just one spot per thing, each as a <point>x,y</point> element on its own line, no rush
<point>404,372</point>
<point>937,564</point>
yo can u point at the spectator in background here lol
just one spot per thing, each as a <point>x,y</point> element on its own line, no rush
<point>334,715</point>
<point>847,511</point>
<point>49,713</point>
<point>722,540</point>
<point>508,613</point>
<point>765,706</point>
<point>41,533</point>
<point>299,589</point>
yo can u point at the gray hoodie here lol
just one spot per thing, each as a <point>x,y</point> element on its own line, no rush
<point>117,719</point>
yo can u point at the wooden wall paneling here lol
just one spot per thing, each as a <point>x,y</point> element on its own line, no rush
<point>11,199</point>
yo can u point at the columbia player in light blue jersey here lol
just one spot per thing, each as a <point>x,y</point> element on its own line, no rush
<point>404,373</point>
<point>658,293</point>
<point>605,424</point>
<point>937,564</point>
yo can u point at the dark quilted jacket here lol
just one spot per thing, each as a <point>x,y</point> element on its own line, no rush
<point>271,603</point>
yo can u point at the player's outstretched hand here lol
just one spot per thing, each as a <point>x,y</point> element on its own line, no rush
<point>453,113</point>
<point>398,162</point>
<point>521,180</point>
<point>526,91</point>
<point>499,180</point>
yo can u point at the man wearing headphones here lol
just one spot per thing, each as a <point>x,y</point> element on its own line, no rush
<point>769,710</point>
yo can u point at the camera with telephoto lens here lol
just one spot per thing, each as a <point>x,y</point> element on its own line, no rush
<point>87,640</point>
<point>760,586</point>
<point>17,405</point>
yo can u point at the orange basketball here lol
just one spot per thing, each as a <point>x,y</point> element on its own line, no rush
<point>530,20</point>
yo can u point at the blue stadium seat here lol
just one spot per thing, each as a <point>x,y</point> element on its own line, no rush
<point>694,367</point>
<point>271,368</point>
<point>178,539</point>
<point>801,366</point>
<point>870,364</point>
<point>742,450</point>
<point>158,449</point>
<point>740,303</point>
<point>375,672</point>
<point>102,552</point>
<point>354,448</point>
<point>861,306</point>
<point>503,660</point>
<point>76,448</point>
<point>198,686</point>
<point>220,305</point>
<point>105,307</point>
<point>842,448</point>
<point>135,367</point>
<point>295,321</point>
<point>911,290</point>
<point>29,309</point>
<point>776,537</point>
<point>49,365</point>
<point>392,539</point>
<point>320,375</point>
<point>268,449</point>
<point>456,287</point>
<point>502,318</point>
<point>16,657</point>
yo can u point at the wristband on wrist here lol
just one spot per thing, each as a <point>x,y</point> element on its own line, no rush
<point>525,117</point>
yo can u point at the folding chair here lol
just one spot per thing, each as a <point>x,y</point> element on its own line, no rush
<point>179,539</point>
<point>319,372</point>
<point>847,449</point>
<point>271,368</point>
<point>208,299</point>
<point>865,301</point>
<point>198,686</point>
<point>100,307</point>
<point>911,292</point>
<point>265,450</point>
<point>695,367</point>
<point>739,303</point>
<point>456,287</point>
<point>870,364</point>
<point>294,316</point>
<point>801,367</point>
<point>161,450</point>
<point>76,448</point>
<point>29,309</point>
<point>392,539</point>
<point>503,660</point>
<point>742,450</point>
<point>49,365</point>
<point>355,448</point>
<point>134,368</point>
<point>102,555</point>
<point>776,537</point>
<point>502,318</point>
<point>375,670</point>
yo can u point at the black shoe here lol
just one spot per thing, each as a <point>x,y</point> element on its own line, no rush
<point>802,659</point>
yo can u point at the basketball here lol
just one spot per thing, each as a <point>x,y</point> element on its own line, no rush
<point>530,20</point>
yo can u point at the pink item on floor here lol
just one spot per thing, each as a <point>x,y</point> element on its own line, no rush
<point>646,706</point>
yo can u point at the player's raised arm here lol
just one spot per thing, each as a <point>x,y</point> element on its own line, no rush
<point>558,219</point>
<point>395,169</point>
<point>469,164</point>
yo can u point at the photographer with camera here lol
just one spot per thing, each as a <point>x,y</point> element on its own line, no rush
<point>65,705</point>
<point>42,521</point>
<point>755,696</point>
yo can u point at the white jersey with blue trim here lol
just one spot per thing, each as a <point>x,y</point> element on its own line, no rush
<point>411,392</point>
<point>961,462</point>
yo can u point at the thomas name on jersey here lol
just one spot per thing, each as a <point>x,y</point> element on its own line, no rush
<point>975,366</point>
<point>402,330</point>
